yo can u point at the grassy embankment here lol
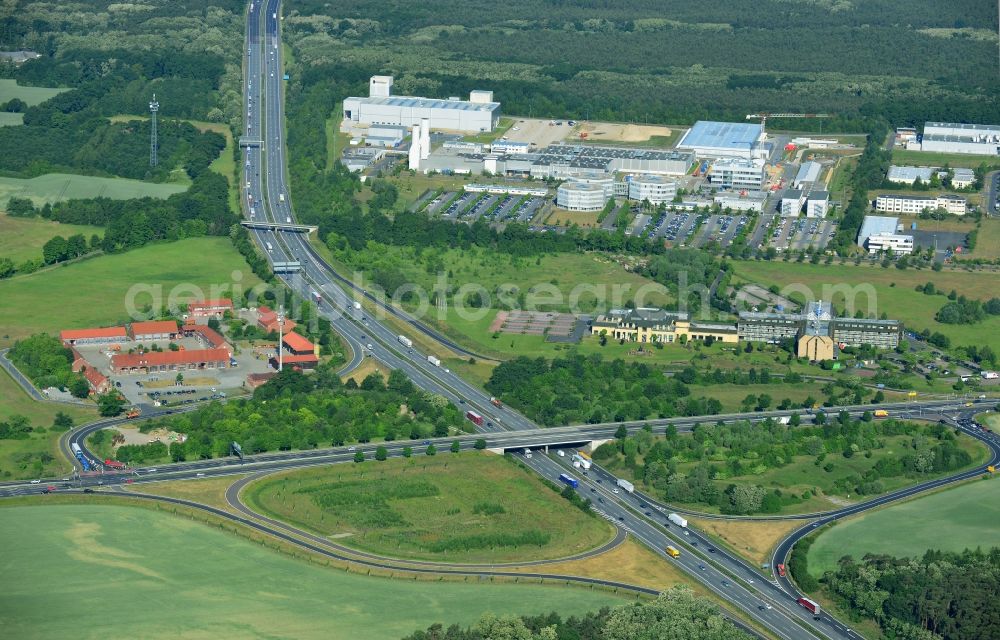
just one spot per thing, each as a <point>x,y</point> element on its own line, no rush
<point>447,507</point>
<point>168,571</point>
<point>38,455</point>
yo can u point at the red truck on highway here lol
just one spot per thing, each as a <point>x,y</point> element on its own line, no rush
<point>114,464</point>
<point>475,417</point>
<point>496,402</point>
<point>812,606</point>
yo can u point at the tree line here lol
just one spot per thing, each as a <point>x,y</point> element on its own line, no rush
<point>48,363</point>
<point>942,595</point>
<point>721,453</point>
<point>676,613</point>
<point>296,411</point>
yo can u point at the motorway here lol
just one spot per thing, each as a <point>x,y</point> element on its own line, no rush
<point>269,199</point>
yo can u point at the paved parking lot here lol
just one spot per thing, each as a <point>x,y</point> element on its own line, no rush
<point>677,227</point>
<point>459,205</point>
<point>721,229</point>
<point>480,208</point>
<point>439,202</point>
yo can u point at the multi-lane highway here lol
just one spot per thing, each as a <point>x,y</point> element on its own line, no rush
<point>266,197</point>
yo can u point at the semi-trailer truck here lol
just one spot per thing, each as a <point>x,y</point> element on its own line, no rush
<point>113,464</point>
<point>474,417</point>
<point>434,361</point>
<point>678,520</point>
<point>406,342</point>
<point>626,485</point>
<point>581,461</point>
<point>570,480</point>
<point>811,605</point>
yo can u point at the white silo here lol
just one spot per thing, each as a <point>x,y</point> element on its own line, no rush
<point>415,147</point>
<point>425,138</point>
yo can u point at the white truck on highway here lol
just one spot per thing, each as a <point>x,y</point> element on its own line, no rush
<point>434,361</point>
<point>784,420</point>
<point>406,342</point>
<point>281,197</point>
<point>626,485</point>
<point>357,306</point>
<point>678,520</point>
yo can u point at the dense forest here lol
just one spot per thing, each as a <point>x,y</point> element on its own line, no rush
<point>677,613</point>
<point>675,62</point>
<point>941,595</point>
<point>725,451</point>
<point>295,411</point>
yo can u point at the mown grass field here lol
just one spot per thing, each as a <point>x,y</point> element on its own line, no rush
<point>22,238</point>
<point>935,159</point>
<point>91,570</point>
<point>55,187</point>
<point>950,520</point>
<point>11,119</point>
<point>454,508</point>
<point>95,292</point>
<point>18,458</point>
<point>894,290</point>
<point>987,241</point>
<point>9,89</point>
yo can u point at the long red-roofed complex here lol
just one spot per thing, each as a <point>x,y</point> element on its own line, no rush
<point>209,308</point>
<point>170,360</point>
<point>154,330</point>
<point>105,335</point>
<point>304,361</point>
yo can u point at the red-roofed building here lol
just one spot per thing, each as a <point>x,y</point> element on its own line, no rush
<point>208,335</point>
<point>210,308</point>
<point>296,344</point>
<point>99,383</point>
<point>170,360</point>
<point>268,320</point>
<point>303,361</point>
<point>255,380</point>
<point>105,335</point>
<point>154,330</point>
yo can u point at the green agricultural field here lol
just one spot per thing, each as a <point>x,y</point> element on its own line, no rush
<point>11,119</point>
<point>935,159</point>
<point>951,520</point>
<point>22,238</point>
<point>471,507</point>
<point>91,570</point>
<point>9,89</point>
<point>895,292</point>
<point>37,456</point>
<point>54,187</point>
<point>94,292</point>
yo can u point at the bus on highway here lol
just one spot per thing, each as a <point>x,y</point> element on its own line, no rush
<point>570,480</point>
<point>673,552</point>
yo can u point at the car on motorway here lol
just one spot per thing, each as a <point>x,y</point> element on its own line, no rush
<point>725,583</point>
<point>701,566</point>
<point>88,490</point>
<point>561,453</point>
<point>711,549</point>
<point>352,448</point>
<point>36,482</point>
<point>199,475</point>
<point>781,570</point>
<point>621,518</point>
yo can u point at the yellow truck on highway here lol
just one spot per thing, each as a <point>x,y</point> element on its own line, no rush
<point>673,552</point>
<point>881,413</point>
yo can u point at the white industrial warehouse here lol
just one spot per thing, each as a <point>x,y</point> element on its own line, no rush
<point>709,139</point>
<point>951,137</point>
<point>478,113</point>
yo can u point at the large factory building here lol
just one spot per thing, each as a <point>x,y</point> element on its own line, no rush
<point>709,139</point>
<point>949,137</point>
<point>478,113</point>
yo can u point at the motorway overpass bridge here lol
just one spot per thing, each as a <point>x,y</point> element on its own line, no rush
<point>267,225</point>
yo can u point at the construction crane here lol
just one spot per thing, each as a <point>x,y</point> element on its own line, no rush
<point>764,116</point>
